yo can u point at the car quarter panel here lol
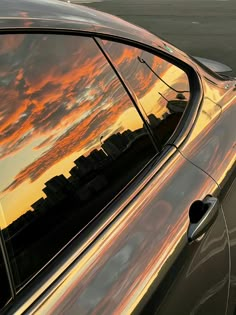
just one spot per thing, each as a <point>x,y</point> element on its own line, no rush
<point>123,268</point>
<point>212,147</point>
<point>212,142</point>
<point>229,207</point>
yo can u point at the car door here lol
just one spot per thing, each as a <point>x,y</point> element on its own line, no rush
<point>143,262</point>
<point>229,206</point>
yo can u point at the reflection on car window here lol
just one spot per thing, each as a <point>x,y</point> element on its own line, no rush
<point>161,87</point>
<point>70,141</point>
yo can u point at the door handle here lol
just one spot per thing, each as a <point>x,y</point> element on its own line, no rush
<point>202,215</point>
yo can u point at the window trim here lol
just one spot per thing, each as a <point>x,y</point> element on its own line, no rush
<point>130,94</point>
<point>187,122</point>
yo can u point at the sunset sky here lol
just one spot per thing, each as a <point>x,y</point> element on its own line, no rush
<point>56,102</point>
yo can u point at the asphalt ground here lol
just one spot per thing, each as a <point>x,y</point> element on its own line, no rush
<point>205,28</point>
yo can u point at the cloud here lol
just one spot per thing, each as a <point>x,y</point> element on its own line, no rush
<point>75,139</point>
<point>61,90</point>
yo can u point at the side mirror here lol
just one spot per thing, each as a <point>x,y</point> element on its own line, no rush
<point>213,65</point>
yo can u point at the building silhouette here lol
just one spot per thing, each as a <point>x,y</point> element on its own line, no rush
<point>90,177</point>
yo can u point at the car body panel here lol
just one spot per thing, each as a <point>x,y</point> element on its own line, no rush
<point>212,143</point>
<point>136,252</point>
<point>229,207</point>
<point>212,147</point>
<point>69,17</point>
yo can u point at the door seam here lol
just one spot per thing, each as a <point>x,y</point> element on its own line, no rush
<point>196,166</point>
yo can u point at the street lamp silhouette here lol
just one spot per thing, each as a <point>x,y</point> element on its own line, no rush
<point>102,145</point>
<point>163,97</point>
<point>101,140</point>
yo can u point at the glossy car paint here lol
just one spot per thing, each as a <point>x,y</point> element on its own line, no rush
<point>228,204</point>
<point>26,14</point>
<point>139,247</point>
<point>128,265</point>
<point>212,147</point>
<point>215,152</point>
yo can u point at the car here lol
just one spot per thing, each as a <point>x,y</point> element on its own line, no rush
<point>118,168</point>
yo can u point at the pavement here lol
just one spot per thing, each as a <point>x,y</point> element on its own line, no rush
<point>205,28</point>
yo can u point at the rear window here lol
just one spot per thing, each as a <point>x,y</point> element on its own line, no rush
<point>162,88</point>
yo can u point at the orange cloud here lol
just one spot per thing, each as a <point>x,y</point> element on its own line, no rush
<point>66,97</point>
<point>74,140</point>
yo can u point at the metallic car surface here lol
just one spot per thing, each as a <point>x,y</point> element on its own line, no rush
<point>229,202</point>
<point>137,250</point>
<point>26,14</point>
<point>138,258</point>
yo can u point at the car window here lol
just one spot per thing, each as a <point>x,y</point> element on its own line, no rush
<point>71,140</point>
<point>5,293</point>
<point>161,87</point>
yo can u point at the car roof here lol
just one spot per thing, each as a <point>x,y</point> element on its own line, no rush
<point>55,14</point>
<point>63,16</point>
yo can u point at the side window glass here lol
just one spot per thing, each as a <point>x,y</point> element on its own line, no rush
<point>161,87</point>
<point>70,141</point>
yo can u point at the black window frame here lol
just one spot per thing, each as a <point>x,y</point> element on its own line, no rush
<point>192,110</point>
